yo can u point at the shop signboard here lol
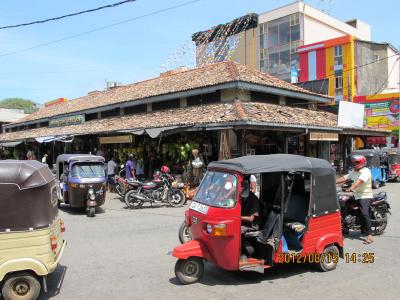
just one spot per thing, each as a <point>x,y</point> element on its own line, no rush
<point>324,136</point>
<point>382,115</point>
<point>351,115</point>
<point>118,139</point>
<point>65,121</point>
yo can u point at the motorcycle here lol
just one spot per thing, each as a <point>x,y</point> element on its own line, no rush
<point>379,211</point>
<point>156,191</point>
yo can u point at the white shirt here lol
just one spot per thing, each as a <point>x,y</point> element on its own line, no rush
<point>44,159</point>
<point>364,191</point>
<point>111,165</point>
<point>253,178</point>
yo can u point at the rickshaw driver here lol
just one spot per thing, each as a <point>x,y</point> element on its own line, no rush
<point>362,188</point>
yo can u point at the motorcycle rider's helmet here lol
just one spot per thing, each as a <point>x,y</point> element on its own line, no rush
<point>165,169</point>
<point>358,161</point>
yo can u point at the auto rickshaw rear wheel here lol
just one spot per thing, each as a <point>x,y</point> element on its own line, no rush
<point>91,212</point>
<point>397,179</point>
<point>189,270</point>
<point>21,287</point>
<point>329,258</point>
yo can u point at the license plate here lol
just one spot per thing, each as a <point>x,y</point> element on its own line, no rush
<point>201,208</point>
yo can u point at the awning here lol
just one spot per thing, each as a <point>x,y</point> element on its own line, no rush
<point>155,132</point>
<point>49,139</point>
<point>10,144</point>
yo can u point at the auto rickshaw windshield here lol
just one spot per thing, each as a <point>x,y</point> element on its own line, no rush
<point>218,189</point>
<point>87,170</point>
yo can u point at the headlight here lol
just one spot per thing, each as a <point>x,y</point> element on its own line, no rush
<point>91,192</point>
<point>209,228</point>
<point>92,196</point>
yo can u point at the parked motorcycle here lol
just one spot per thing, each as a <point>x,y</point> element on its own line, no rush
<point>379,212</point>
<point>156,191</point>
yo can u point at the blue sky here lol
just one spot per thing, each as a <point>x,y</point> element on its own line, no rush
<point>132,51</point>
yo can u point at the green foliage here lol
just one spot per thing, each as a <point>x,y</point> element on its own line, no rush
<point>18,103</point>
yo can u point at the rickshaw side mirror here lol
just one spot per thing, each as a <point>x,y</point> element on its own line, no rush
<point>244,193</point>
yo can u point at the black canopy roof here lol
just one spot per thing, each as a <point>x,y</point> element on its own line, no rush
<point>79,157</point>
<point>323,197</point>
<point>24,174</point>
<point>255,164</point>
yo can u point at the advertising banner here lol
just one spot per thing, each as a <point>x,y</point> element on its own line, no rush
<point>383,115</point>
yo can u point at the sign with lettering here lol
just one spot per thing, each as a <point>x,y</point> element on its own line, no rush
<point>65,121</point>
<point>118,139</point>
<point>324,136</point>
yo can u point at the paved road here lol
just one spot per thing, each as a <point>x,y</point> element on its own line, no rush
<point>125,254</point>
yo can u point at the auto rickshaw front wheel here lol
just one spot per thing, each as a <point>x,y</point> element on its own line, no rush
<point>330,259</point>
<point>91,212</point>
<point>189,270</point>
<point>21,287</point>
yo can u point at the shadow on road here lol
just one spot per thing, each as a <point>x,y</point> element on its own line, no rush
<point>214,276</point>
<point>54,283</point>
<point>78,210</point>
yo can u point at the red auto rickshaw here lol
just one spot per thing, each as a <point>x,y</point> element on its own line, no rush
<point>299,212</point>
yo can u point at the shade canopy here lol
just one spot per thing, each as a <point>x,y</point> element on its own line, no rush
<point>10,144</point>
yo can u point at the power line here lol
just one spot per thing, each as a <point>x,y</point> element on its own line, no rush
<point>99,28</point>
<point>387,78</point>
<point>69,15</point>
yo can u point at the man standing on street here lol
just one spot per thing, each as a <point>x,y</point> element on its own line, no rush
<point>111,167</point>
<point>362,188</point>
<point>130,167</point>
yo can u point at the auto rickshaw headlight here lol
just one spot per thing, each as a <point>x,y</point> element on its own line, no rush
<point>91,192</point>
<point>217,229</point>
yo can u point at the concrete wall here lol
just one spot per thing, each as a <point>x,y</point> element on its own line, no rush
<point>229,95</point>
<point>315,31</point>
<point>394,70</point>
<point>371,78</point>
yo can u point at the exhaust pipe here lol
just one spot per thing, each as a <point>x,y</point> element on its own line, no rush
<point>140,197</point>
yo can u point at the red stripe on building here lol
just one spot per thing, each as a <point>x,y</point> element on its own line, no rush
<point>303,66</point>
<point>321,63</point>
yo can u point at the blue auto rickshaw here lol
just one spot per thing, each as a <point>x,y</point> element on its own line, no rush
<point>378,170</point>
<point>82,181</point>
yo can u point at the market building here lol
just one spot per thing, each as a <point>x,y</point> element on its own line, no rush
<point>224,110</point>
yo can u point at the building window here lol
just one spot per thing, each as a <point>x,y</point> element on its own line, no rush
<point>92,116</point>
<point>279,41</point>
<point>174,103</point>
<point>338,86</point>
<point>135,109</point>
<point>44,124</point>
<point>264,97</point>
<point>338,52</point>
<point>338,82</point>
<point>294,19</point>
<point>204,99</point>
<point>110,113</point>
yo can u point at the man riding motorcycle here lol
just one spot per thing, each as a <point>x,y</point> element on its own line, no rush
<point>362,188</point>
